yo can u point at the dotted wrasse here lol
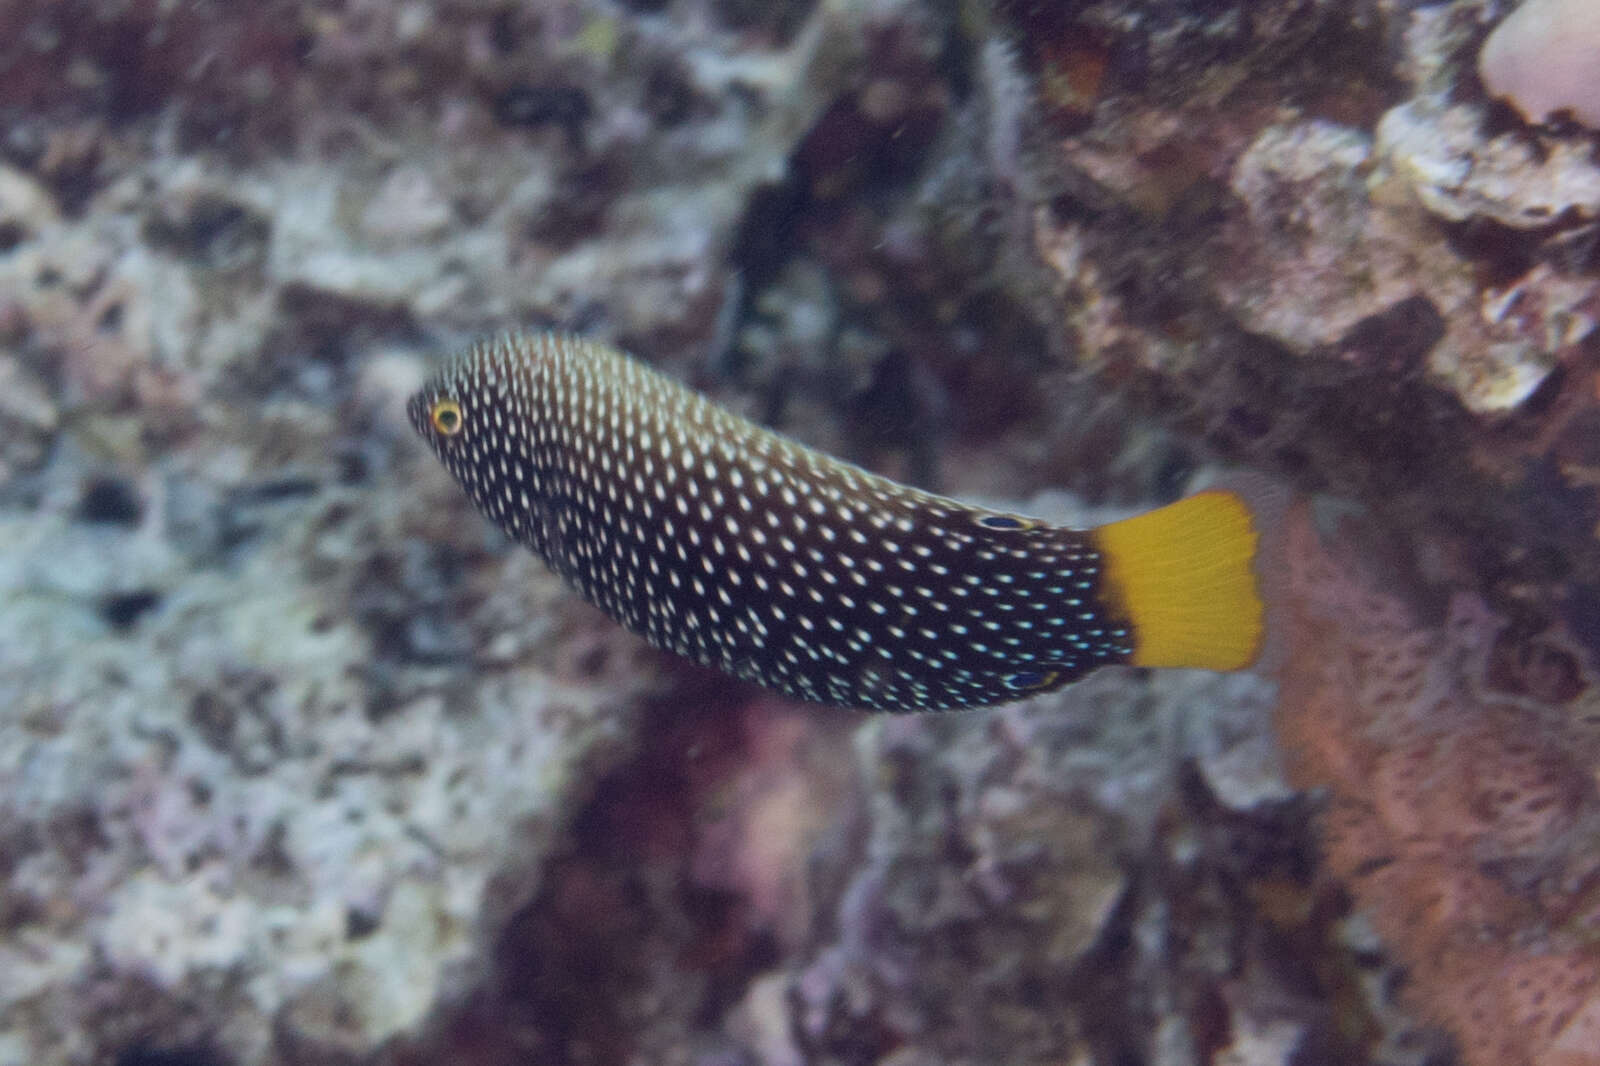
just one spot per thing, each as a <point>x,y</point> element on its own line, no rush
<point>739,548</point>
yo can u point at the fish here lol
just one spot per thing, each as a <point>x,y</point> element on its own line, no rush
<point>732,545</point>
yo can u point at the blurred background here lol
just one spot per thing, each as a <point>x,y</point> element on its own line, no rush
<point>302,763</point>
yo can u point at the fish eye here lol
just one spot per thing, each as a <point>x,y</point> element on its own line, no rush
<point>446,417</point>
<point>1005,521</point>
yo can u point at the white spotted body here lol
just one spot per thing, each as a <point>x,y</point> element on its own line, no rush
<point>744,550</point>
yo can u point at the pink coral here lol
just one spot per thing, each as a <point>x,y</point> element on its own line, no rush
<point>1542,57</point>
<point>1455,812</point>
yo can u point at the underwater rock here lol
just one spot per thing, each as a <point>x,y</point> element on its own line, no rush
<point>29,417</point>
<point>1439,152</point>
<point>1348,269</point>
<point>986,919</point>
<point>284,746</point>
<point>1321,230</point>
<point>25,207</point>
<point>1339,267</point>
<point>244,809</point>
<point>1318,240</point>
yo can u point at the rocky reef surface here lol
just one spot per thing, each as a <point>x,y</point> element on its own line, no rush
<point>300,763</point>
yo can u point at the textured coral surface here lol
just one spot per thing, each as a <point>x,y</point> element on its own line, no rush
<point>1464,802</point>
<point>1340,260</point>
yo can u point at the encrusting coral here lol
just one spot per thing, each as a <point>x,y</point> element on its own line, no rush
<point>1460,766</point>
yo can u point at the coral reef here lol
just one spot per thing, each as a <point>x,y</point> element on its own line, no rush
<point>1460,760</point>
<point>1116,871</point>
<point>285,737</point>
<point>1347,264</point>
<point>247,797</point>
<point>1084,877</point>
<point>1341,262</point>
<point>300,763</point>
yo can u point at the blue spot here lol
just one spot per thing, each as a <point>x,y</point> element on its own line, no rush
<point>1003,521</point>
<point>1029,679</point>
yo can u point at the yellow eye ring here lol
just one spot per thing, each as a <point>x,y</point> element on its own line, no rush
<point>446,417</point>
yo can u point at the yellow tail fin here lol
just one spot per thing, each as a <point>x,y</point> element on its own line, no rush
<point>1185,577</point>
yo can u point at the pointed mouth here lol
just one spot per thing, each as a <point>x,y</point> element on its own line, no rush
<point>417,412</point>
